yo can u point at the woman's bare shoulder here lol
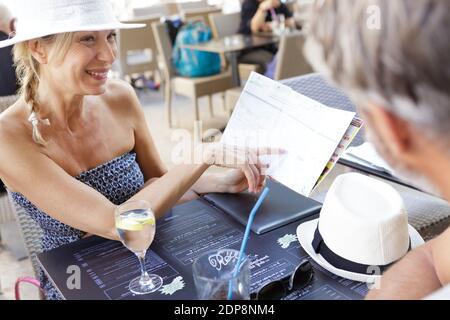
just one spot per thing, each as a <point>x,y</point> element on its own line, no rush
<point>14,124</point>
<point>118,92</point>
<point>16,140</point>
<point>121,98</point>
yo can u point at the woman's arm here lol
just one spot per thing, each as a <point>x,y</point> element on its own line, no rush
<point>152,166</point>
<point>52,190</point>
<point>24,169</point>
<point>27,171</point>
<point>148,156</point>
<point>258,22</point>
<point>166,191</point>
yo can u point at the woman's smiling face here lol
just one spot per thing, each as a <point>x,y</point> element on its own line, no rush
<point>84,69</point>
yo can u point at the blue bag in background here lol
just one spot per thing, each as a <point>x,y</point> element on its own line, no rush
<point>194,63</point>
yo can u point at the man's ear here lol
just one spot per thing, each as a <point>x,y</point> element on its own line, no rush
<point>38,51</point>
<point>397,133</point>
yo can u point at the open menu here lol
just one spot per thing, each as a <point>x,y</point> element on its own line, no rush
<point>269,114</point>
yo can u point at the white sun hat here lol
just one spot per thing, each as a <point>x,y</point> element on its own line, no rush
<point>39,18</point>
<point>362,230</point>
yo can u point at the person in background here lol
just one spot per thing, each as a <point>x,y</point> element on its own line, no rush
<point>258,16</point>
<point>392,58</point>
<point>8,80</point>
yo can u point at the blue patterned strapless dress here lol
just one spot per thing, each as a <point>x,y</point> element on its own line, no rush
<point>118,180</point>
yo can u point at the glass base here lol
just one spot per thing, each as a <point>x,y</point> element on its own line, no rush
<point>153,283</point>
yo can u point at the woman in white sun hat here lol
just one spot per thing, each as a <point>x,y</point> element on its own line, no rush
<point>76,144</point>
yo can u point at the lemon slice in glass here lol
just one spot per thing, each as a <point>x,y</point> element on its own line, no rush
<point>134,223</point>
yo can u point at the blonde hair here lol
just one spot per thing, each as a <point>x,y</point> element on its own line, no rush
<point>28,74</point>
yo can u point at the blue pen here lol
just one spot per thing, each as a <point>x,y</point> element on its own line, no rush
<point>245,239</point>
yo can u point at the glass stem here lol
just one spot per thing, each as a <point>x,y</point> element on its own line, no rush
<point>145,280</point>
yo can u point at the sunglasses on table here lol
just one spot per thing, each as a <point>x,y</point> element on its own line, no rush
<point>276,290</point>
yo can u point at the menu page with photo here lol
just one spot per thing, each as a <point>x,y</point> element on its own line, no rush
<point>270,114</point>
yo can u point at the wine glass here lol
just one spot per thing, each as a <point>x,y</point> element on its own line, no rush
<point>136,226</point>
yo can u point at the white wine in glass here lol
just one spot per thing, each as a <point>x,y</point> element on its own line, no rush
<point>136,226</point>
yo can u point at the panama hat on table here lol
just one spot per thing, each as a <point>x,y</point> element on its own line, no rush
<point>40,18</point>
<point>362,230</point>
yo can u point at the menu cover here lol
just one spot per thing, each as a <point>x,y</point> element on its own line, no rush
<point>281,207</point>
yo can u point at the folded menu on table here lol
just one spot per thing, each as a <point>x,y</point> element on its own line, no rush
<point>281,207</point>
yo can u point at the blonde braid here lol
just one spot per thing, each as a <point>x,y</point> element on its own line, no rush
<point>29,93</point>
<point>27,69</point>
<point>27,72</point>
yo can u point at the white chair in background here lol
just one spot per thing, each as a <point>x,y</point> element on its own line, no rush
<point>224,25</point>
<point>137,49</point>
<point>200,14</point>
<point>290,63</point>
<point>290,59</point>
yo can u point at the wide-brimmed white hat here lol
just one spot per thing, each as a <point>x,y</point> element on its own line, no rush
<point>362,230</point>
<point>39,18</point>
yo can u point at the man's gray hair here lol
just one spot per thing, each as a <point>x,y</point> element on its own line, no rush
<point>395,53</point>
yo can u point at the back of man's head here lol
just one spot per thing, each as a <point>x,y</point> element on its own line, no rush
<point>5,18</point>
<point>395,53</point>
